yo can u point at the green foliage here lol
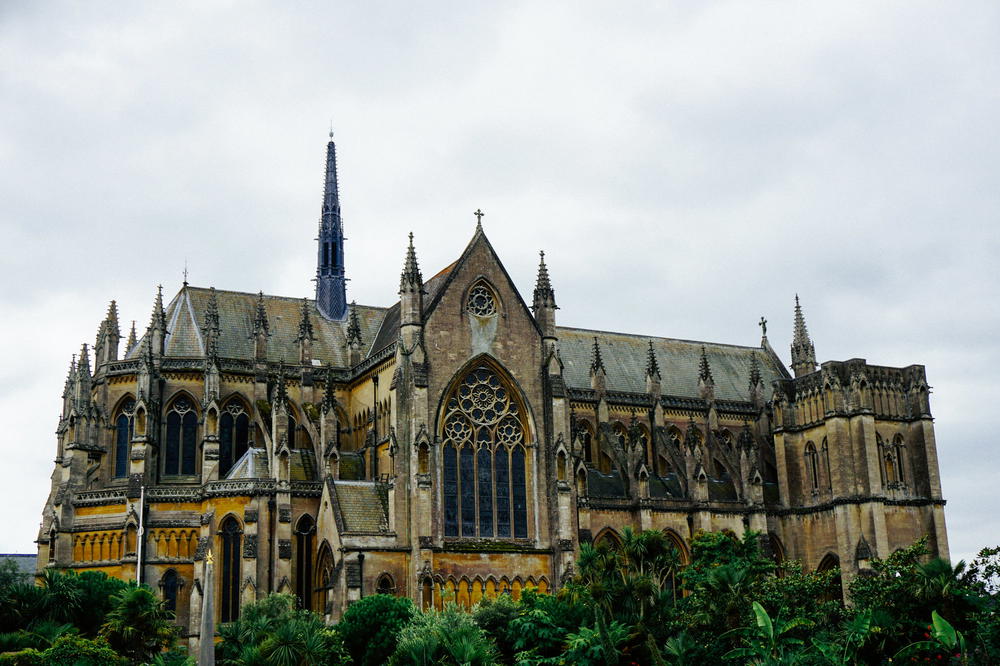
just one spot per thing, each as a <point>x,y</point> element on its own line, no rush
<point>450,637</point>
<point>771,641</point>
<point>138,626</point>
<point>370,627</point>
<point>273,632</point>
<point>78,651</point>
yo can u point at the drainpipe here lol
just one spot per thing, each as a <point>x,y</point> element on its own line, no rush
<point>139,535</point>
<point>361,574</point>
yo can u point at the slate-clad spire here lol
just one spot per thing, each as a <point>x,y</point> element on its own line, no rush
<point>211,330</point>
<point>803,352</point>
<point>331,283</point>
<point>410,279</point>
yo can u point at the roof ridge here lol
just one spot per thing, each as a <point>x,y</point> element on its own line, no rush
<point>591,331</point>
<point>297,299</point>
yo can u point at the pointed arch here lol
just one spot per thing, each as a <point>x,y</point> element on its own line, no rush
<point>585,432</point>
<point>124,422</point>
<point>609,537</point>
<point>181,435</point>
<point>484,425</point>
<point>169,584</point>
<point>231,551</point>
<point>323,577</point>
<point>234,431</point>
<point>385,584</point>
<point>811,460</point>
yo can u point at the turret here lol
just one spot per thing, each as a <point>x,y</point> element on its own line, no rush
<point>544,303</point>
<point>803,352</point>
<point>331,283</point>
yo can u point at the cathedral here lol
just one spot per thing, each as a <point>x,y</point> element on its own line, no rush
<point>459,444</point>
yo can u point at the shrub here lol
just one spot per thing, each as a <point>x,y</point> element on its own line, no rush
<point>370,627</point>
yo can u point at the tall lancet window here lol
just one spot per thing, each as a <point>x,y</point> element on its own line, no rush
<point>124,428</point>
<point>234,435</point>
<point>181,440</point>
<point>485,459</point>
<point>229,565</point>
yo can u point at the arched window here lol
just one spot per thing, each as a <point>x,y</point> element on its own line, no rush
<point>482,302</point>
<point>561,466</point>
<point>427,593</point>
<point>898,452</point>
<point>124,429</point>
<point>385,585</point>
<point>484,463</point>
<point>169,585</point>
<point>234,435</point>
<point>323,578</point>
<point>305,531</point>
<point>423,458</point>
<point>812,465</point>
<point>232,538</point>
<point>181,441</point>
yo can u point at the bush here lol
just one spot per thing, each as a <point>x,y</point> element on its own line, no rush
<point>449,637</point>
<point>370,627</point>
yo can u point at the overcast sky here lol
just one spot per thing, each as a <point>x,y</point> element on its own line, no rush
<point>688,167</point>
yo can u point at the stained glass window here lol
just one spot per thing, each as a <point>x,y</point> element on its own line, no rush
<point>483,428</point>
<point>169,584</point>
<point>181,444</point>
<point>124,425</point>
<point>234,436</point>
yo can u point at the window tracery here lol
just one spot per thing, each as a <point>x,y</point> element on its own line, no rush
<point>181,439</point>
<point>481,302</point>
<point>812,465</point>
<point>484,466</point>
<point>234,435</point>
<point>124,429</point>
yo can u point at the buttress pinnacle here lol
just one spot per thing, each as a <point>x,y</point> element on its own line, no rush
<point>544,294</point>
<point>411,277</point>
<point>803,351</point>
<point>596,362</point>
<point>652,366</point>
<point>704,370</point>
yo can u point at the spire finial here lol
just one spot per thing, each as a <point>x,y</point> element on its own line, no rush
<point>354,326</point>
<point>596,361</point>
<point>185,271</point>
<point>652,366</point>
<point>803,351</point>
<point>704,370</point>
<point>411,277</point>
<point>544,294</point>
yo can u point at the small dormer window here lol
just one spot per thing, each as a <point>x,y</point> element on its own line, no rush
<point>481,302</point>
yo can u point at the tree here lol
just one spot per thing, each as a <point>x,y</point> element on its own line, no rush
<point>138,627</point>
<point>450,637</point>
<point>370,627</point>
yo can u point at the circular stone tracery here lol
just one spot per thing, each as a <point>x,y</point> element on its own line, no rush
<point>481,301</point>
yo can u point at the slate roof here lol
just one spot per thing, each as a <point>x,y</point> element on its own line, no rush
<point>625,363</point>
<point>389,330</point>
<point>254,465</point>
<point>186,315</point>
<point>362,505</point>
<point>25,563</point>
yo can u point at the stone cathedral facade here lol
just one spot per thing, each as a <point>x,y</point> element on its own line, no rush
<point>459,443</point>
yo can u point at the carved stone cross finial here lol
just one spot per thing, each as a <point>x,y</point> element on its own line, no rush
<point>763,326</point>
<point>479,218</point>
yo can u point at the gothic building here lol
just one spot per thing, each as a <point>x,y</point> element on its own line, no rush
<point>459,443</point>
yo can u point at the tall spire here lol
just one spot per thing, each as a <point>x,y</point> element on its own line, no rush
<point>411,277</point>
<point>803,352</point>
<point>331,284</point>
